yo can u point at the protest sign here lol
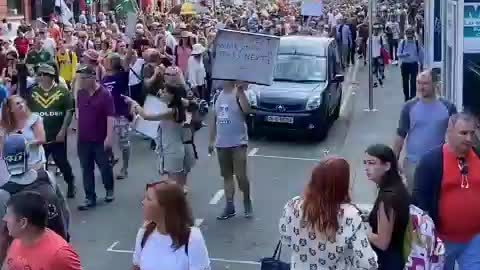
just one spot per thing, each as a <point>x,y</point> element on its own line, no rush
<point>153,105</point>
<point>131,24</point>
<point>312,8</point>
<point>245,57</point>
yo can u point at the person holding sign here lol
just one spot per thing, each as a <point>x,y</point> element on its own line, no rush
<point>176,154</point>
<point>228,134</point>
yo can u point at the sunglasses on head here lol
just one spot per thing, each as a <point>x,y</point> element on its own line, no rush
<point>463,167</point>
<point>154,184</point>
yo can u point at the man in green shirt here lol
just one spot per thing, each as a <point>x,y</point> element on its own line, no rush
<point>55,105</point>
<point>38,54</point>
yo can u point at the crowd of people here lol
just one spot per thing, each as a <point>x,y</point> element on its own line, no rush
<point>93,77</point>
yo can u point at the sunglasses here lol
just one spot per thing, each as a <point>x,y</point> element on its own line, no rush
<point>463,167</point>
<point>43,74</point>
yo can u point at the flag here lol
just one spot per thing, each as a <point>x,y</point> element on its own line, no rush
<point>65,12</point>
<point>126,7</point>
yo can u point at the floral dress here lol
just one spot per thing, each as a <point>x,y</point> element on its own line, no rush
<point>314,251</point>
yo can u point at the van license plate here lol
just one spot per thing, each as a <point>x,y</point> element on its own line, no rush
<point>279,119</point>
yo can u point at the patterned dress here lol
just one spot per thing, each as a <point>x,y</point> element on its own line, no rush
<point>314,251</point>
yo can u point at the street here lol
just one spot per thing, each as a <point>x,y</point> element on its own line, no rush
<point>278,170</point>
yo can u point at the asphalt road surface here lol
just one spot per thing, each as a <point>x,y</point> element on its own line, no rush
<point>278,169</point>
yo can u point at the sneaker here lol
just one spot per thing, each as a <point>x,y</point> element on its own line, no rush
<point>109,196</point>
<point>87,205</point>
<point>227,213</point>
<point>122,175</point>
<point>71,191</point>
<point>58,172</point>
<point>375,84</point>
<point>185,190</point>
<point>248,208</point>
<point>380,82</point>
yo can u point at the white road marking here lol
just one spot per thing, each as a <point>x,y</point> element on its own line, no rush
<point>350,90</point>
<point>112,249</point>
<point>289,158</point>
<point>217,197</point>
<point>198,222</point>
<point>113,246</point>
<point>253,152</point>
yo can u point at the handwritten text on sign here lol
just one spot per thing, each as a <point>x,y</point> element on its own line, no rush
<point>245,57</point>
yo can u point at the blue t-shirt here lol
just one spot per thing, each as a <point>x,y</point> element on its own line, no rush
<point>117,84</point>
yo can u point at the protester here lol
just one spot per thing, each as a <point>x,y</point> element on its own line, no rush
<point>55,105</point>
<point>411,55</point>
<point>168,240</point>
<point>116,81</point>
<point>446,187</point>
<point>96,116</point>
<point>422,125</point>
<point>390,214</point>
<point>18,119</point>
<point>325,219</point>
<point>23,178</point>
<point>176,158</point>
<point>26,219</point>
<point>228,135</point>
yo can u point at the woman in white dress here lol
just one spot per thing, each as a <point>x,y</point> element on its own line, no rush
<point>169,240</point>
<point>323,228</point>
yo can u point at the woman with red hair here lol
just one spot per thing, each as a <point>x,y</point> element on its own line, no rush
<point>323,228</point>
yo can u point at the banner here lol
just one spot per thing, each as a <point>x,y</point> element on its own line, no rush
<point>312,8</point>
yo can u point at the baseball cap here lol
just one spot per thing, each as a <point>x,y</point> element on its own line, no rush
<point>15,154</point>
<point>46,68</point>
<point>86,70</point>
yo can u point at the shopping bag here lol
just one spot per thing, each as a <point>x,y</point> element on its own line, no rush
<point>385,55</point>
<point>274,262</point>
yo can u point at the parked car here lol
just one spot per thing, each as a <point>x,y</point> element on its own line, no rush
<point>306,94</point>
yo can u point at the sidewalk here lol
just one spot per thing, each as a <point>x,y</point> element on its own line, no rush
<point>367,128</point>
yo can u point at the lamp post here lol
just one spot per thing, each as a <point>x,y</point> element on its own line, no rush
<point>371,7</point>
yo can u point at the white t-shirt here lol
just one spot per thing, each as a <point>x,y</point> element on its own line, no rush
<point>157,254</point>
<point>49,45</point>
<point>137,67</point>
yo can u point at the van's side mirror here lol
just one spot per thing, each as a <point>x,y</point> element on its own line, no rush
<point>339,78</point>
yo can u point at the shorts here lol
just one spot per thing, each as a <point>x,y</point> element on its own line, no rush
<point>177,163</point>
<point>122,129</point>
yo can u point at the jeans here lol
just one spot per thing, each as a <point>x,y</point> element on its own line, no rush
<point>467,255</point>
<point>58,150</point>
<point>409,79</point>
<point>409,168</point>
<point>90,154</point>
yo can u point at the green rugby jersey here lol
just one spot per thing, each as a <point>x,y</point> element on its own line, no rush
<point>52,106</point>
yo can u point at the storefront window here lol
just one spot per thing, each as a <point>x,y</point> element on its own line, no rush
<point>15,7</point>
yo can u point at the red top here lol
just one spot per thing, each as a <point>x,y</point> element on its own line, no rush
<point>50,252</point>
<point>21,44</point>
<point>459,211</point>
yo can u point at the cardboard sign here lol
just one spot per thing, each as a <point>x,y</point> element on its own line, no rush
<point>245,57</point>
<point>312,8</point>
<point>153,105</point>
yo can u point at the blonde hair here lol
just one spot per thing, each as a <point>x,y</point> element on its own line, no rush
<point>8,121</point>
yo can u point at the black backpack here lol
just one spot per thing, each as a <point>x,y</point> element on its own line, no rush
<point>58,214</point>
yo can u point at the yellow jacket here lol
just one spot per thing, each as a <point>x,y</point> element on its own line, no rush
<point>67,64</point>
